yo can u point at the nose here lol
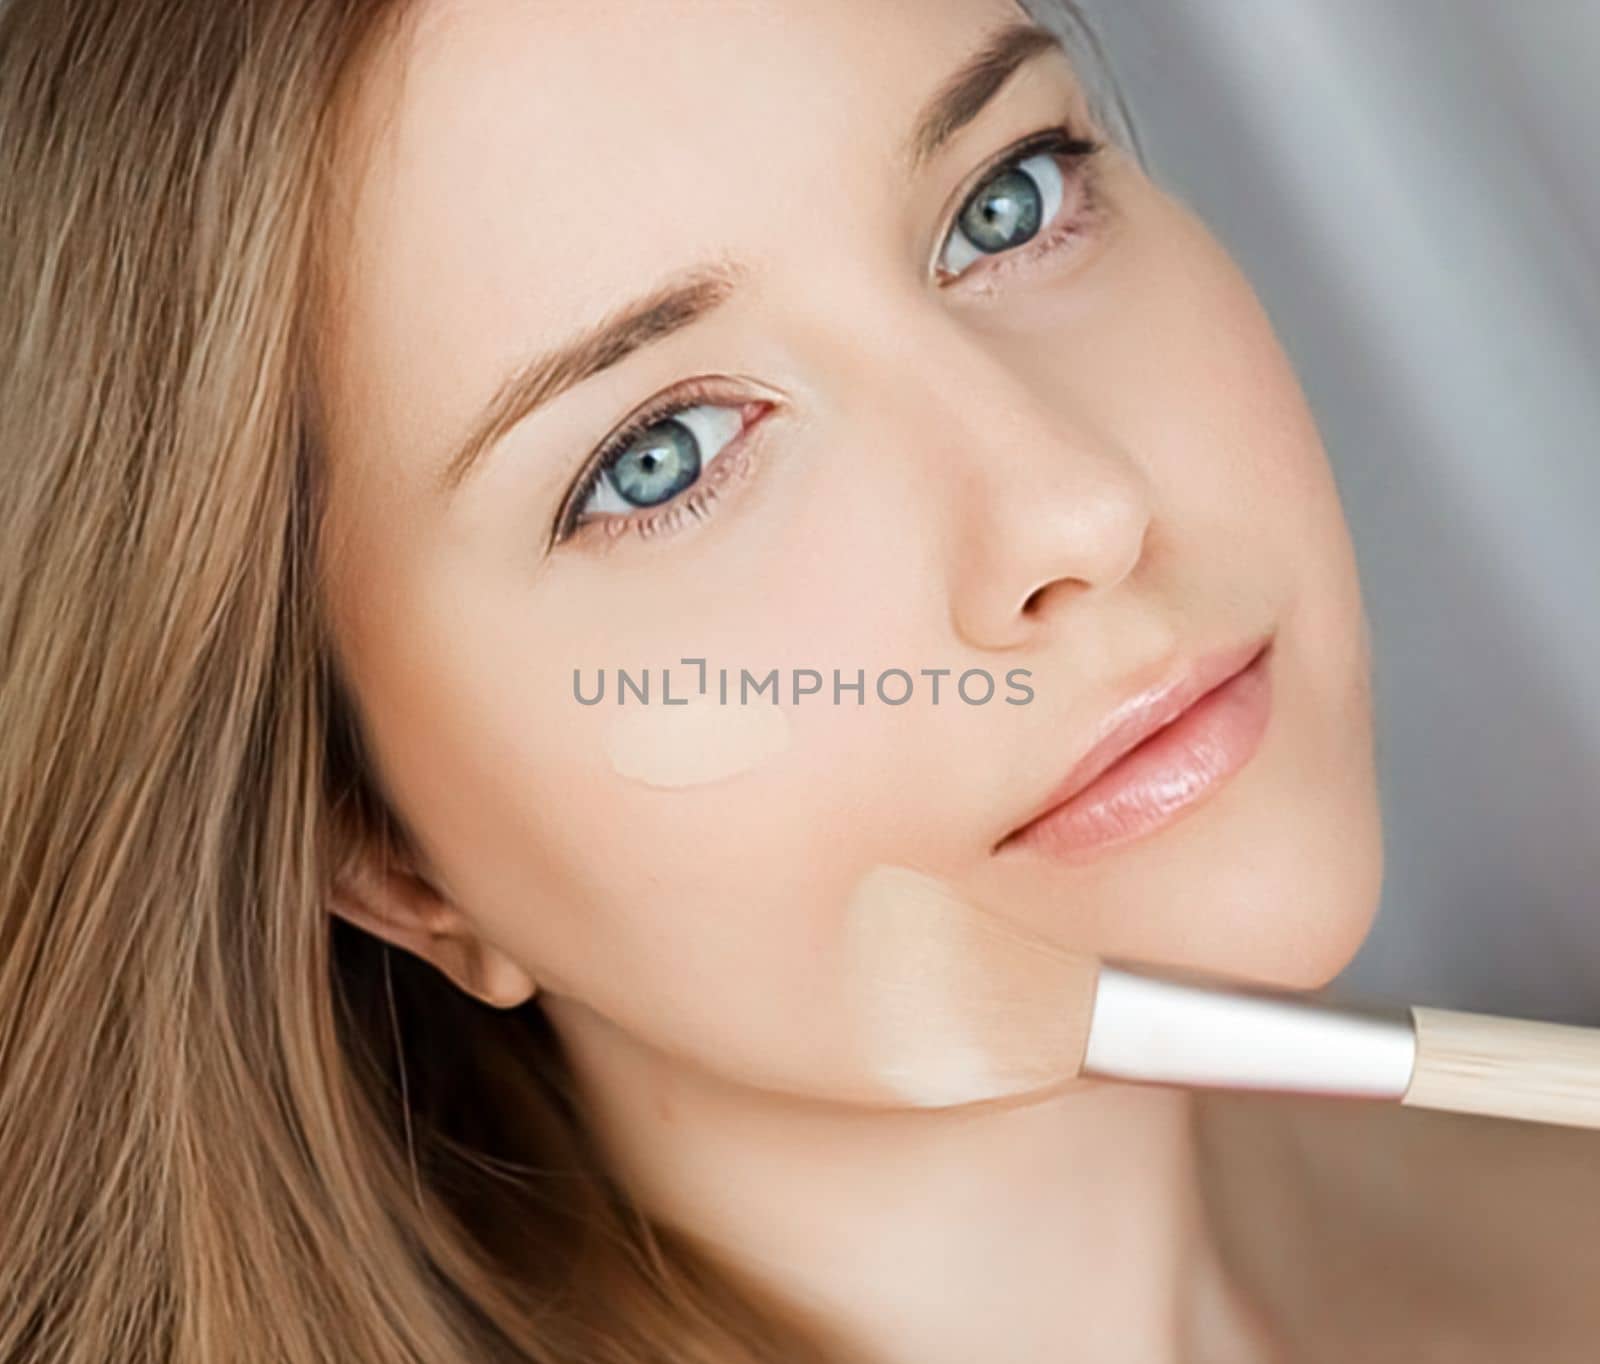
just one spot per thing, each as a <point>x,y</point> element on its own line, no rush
<point>1044,506</point>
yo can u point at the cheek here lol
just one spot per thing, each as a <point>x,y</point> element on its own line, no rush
<point>1167,344</point>
<point>1278,492</point>
<point>599,845</point>
<point>704,915</point>
<point>1240,444</point>
<point>1204,393</point>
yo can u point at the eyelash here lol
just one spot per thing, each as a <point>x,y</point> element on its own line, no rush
<point>696,502</point>
<point>1061,140</point>
<point>1079,152</point>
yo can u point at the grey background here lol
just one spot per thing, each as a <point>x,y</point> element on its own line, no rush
<point>1414,189</point>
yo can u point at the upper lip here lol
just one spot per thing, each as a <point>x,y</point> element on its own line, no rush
<point>1136,718</point>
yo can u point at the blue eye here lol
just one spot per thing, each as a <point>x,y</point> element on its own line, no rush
<point>657,458</point>
<point>1023,197</point>
<point>663,459</point>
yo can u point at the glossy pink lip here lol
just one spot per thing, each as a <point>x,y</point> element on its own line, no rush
<point>1158,753</point>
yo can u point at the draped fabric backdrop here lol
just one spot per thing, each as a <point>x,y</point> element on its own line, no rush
<point>1414,189</point>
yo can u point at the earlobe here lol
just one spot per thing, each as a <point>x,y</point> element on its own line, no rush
<point>400,908</point>
<point>500,981</point>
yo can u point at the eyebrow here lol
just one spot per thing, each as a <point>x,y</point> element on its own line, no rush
<point>691,295</point>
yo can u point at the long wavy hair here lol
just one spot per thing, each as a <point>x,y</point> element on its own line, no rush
<point>232,1126</point>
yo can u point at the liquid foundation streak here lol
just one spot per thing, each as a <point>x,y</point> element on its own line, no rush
<point>695,743</point>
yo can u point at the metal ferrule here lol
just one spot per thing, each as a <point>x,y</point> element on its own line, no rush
<point>1167,1031</point>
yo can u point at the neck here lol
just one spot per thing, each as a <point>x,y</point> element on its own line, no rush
<point>1065,1227</point>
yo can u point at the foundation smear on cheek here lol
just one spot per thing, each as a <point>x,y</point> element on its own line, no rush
<point>695,743</point>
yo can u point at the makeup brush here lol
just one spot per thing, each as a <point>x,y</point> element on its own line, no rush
<point>961,1004</point>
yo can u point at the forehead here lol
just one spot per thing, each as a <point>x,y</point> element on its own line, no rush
<point>521,167</point>
<point>570,92</point>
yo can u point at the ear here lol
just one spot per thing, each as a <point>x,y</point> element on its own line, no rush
<point>394,903</point>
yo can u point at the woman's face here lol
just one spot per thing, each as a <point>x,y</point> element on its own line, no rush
<point>922,445</point>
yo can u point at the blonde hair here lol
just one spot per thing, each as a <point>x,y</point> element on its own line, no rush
<point>232,1127</point>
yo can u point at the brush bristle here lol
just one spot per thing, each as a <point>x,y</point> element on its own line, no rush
<point>958,1004</point>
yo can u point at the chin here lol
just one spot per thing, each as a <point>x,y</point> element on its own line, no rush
<point>1326,919</point>
<point>1285,896</point>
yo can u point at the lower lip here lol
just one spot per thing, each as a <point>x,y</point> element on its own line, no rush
<point>1164,777</point>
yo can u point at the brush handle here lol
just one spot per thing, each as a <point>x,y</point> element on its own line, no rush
<point>1505,1067</point>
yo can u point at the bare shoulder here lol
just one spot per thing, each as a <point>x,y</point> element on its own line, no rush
<point>1407,1233</point>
